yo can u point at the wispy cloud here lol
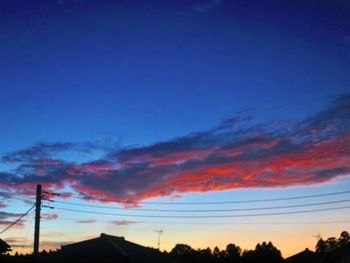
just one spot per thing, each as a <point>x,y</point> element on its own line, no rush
<point>203,7</point>
<point>125,222</point>
<point>49,217</point>
<point>18,242</point>
<point>21,242</point>
<point>86,221</point>
<point>5,215</point>
<point>207,6</point>
<point>8,218</point>
<point>52,234</point>
<point>41,151</point>
<point>237,153</point>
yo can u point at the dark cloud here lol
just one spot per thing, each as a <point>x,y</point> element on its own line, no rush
<point>8,218</point>
<point>47,152</point>
<point>5,215</point>
<point>49,217</point>
<point>5,222</point>
<point>15,239</point>
<point>4,194</point>
<point>37,152</point>
<point>237,153</point>
<point>125,222</point>
<point>86,221</point>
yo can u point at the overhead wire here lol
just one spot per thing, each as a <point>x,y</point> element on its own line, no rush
<point>17,220</point>
<point>215,202</point>
<point>219,210</point>
<point>78,221</point>
<point>214,210</point>
<point>207,216</point>
<point>247,223</point>
<point>28,230</point>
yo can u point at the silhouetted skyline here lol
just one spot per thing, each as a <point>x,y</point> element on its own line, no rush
<point>210,104</point>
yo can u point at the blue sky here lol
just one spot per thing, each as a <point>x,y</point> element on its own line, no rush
<point>77,70</point>
<point>108,79</point>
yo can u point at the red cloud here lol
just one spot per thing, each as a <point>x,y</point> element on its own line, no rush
<point>49,216</point>
<point>316,163</point>
<point>232,155</point>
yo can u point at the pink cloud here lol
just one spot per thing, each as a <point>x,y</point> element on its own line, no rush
<point>233,155</point>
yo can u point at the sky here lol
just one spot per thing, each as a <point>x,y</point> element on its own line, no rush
<point>140,108</point>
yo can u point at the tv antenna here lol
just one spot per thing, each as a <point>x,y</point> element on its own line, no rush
<point>160,232</point>
<point>317,236</point>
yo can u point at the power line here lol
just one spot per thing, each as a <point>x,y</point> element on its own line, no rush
<point>28,230</point>
<point>216,223</point>
<point>209,216</point>
<point>15,222</point>
<point>217,202</point>
<point>216,210</point>
<point>247,223</point>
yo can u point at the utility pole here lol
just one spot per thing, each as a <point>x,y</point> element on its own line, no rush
<point>37,220</point>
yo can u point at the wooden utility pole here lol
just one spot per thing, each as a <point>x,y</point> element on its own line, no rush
<point>37,220</point>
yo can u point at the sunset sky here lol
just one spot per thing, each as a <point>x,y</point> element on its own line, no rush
<point>188,116</point>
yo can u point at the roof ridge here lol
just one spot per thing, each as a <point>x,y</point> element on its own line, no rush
<point>80,242</point>
<point>109,239</point>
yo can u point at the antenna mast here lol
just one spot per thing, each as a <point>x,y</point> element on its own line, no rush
<point>160,232</point>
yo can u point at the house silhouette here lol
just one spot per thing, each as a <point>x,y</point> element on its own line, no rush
<point>107,248</point>
<point>306,256</point>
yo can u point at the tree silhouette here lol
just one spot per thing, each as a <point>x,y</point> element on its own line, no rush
<point>332,249</point>
<point>204,255</point>
<point>321,246</point>
<point>4,247</point>
<point>344,239</point>
<point>216,253</point>
<point>184,253</point>
<point>263,253</point>
<point>233,253</point>
<point>248,256</point>
<point>332,243</point>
